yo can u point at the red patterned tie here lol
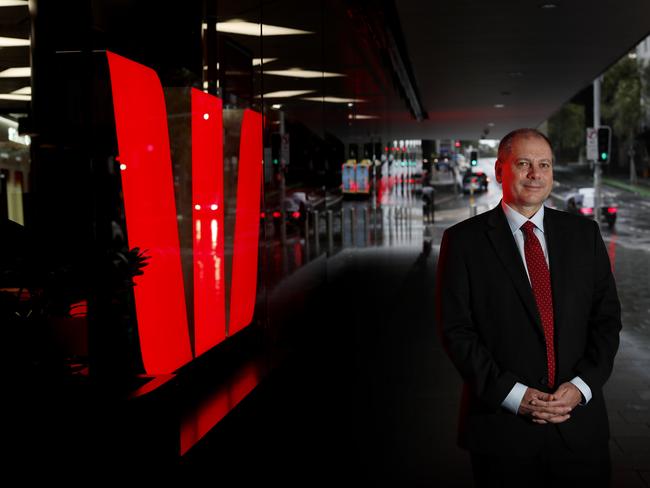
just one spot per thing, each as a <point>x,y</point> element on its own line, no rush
<point>540,280</point>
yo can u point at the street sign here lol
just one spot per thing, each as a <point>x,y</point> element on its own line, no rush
<point>592,144</point>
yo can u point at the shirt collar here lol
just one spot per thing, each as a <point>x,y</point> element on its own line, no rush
<point>516,220</point>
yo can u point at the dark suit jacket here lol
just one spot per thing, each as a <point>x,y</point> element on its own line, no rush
<point>491,329</point>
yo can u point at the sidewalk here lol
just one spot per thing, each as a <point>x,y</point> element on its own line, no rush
<point>445,188</point>
<point>642,187</point>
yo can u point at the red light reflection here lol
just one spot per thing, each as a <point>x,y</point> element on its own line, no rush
<point>207,194</point>
<point>214,408</point>
<point>79,309</point>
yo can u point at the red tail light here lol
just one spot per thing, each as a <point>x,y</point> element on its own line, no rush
<point>262,215</point>
<point>586,211</point>
<point>276,215</point>
<point>295,215</point>
<point>611,210</point>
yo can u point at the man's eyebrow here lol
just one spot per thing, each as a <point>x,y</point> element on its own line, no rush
<point>524,158</point>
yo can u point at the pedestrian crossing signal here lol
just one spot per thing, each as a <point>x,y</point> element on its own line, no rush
<point>473,158</point>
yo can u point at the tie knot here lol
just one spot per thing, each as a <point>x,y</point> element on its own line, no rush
<point>528,228</point>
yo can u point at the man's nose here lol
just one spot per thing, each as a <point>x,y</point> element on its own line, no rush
<point>533,172</point>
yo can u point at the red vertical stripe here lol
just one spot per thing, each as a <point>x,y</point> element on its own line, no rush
<point>247,226</point>
<point>143,142</point>
<point>208,221</point>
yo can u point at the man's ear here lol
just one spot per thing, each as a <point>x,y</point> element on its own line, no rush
<point>497,170</point>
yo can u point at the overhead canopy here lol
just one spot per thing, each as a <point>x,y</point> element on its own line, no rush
<point>527,55</point>
<point>408,68</point>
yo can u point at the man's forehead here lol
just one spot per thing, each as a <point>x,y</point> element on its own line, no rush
<point>531,147</point>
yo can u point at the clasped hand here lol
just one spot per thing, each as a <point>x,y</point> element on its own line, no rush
<point>553,407</point>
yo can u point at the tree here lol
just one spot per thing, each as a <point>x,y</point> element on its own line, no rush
<point>566,130</point>
<point>621,104</point>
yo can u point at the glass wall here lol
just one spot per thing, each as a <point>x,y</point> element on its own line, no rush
<point>174,179</point>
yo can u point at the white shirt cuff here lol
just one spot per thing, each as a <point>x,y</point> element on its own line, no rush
<point>584,389</point>
<point>513,400</point>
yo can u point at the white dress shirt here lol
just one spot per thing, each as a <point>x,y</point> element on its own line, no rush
<point>515,221</point>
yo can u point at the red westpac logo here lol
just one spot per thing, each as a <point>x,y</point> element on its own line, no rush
<point>148,190</point>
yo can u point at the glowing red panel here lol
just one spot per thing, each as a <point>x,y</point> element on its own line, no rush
<point>215,407</point>
<point>147,183</point>
<point>247,226</point>
<point>208,221</point>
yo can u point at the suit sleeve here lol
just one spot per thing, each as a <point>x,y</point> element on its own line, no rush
<point>459,336</point>
<point>604,321</point>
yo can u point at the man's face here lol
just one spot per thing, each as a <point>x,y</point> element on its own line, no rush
<point>527,174</point>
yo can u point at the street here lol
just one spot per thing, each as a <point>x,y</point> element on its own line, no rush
<point>632,228</point>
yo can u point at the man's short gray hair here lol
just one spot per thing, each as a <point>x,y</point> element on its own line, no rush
<point>505,146</point>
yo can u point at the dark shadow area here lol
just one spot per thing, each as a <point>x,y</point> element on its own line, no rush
<point>368,395</point>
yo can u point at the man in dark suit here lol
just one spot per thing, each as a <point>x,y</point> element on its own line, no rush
<point>528,312</point>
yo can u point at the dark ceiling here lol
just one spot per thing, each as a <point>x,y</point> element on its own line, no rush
<point>464,56</point>
<point>457,59</point>
<point>468,56</point>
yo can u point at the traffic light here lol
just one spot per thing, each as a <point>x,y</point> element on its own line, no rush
<point>473,158</point>
<point>276,143</point>
<point>604,142</point>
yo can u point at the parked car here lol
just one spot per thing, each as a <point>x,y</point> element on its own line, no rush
<point>582,203</point>
<point>476,181</point>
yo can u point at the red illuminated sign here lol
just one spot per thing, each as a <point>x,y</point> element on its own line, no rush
<point>208,221</point>
<point>151,217</point>
<point>247,224</point>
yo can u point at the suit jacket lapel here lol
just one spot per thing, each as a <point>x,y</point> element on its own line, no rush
<point>505,247</point>
<point>557,264</point>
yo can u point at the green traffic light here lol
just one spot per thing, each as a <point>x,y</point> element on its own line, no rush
<point>473,162</point>
<point>275,161</point>
<point>603,156</point>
